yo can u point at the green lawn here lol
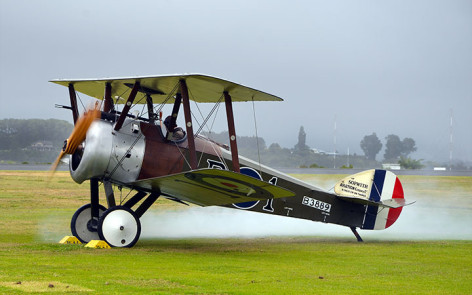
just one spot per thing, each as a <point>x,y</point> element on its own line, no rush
<point>34,213</point>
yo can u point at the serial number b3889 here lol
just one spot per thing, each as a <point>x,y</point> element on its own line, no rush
<point>310,202</point>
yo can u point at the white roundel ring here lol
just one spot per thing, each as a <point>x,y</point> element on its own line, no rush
<point>83,226</point>
<point>119,227</point>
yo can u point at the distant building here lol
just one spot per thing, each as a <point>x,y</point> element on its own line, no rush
<point>316,151</point>
<point>391,166</point>
<point>42,146</point>
<point>321,152</point>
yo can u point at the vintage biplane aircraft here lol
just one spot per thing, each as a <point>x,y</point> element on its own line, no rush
<point>154,157</point>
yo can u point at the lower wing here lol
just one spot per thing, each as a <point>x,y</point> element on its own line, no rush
<point>209,187</point>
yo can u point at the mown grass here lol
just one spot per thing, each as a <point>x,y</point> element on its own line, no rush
<point>35,213</point>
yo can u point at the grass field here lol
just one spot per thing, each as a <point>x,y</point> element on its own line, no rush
<point>35,214</point>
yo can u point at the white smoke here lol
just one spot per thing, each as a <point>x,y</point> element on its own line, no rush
<point>200,222</point>
<point>448,218</point>
<point>417,222</point>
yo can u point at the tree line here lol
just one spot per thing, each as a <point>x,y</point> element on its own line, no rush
<point>396,150</point>
<point>22,133</point>
<point>19,136</point>
<point>300,155</point>
<point>394,147</point>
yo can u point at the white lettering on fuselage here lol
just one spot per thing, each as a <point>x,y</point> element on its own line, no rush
<point>310,202</point>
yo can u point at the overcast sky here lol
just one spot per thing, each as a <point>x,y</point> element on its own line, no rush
<point>390,67</point>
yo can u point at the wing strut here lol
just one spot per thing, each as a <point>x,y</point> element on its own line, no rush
<point>232,131</point>
<point>108,101</point>
<point>127,106</point>
<point>73,102</point>
<point>174,115</point>
<point>188,124</point>
<point>150,107</point>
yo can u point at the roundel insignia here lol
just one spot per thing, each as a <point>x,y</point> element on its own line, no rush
<point>253,173</point>
<point>235,188</point>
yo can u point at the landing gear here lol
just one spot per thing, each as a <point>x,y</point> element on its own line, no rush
<point>83,226</point>
<point>119,227</point>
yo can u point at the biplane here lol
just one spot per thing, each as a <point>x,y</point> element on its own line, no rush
<point>154,157</point>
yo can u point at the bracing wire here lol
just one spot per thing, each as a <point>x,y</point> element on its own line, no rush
<point>80,100</point>
<point>257,136</point>
<point>214,117</point>
<point>124,156</point>
<point>134,105</point>
<point>216,106</point>
<point>120,96</point>
<point>183,156</point>
<point>161,106</point>
<point>126,197</point>
<point>205,121</point>
<point>210,128</point>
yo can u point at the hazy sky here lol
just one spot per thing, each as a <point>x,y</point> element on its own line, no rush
<point>390,67</point>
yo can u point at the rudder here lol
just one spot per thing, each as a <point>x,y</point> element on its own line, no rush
<point>380,190</point>
<point>386,185</point>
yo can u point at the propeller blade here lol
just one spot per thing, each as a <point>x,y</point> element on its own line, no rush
<point>56,163</point>
<point>78,134</point>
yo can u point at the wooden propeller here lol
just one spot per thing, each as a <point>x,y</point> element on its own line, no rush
<point>78,134</point>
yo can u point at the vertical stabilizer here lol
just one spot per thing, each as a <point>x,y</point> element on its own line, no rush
<point>374,188</point>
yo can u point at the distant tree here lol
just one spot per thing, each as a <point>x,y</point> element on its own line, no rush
<point>371,146</point>
<point>314,165</point>
<point>275,147</point>
<point>21,133</point>
<point>347,167</point>
<point>301,144</point>
<point>408,146</point>
<point>460,165</point>
<point>393,148</point>
<point>408,163</point>
<point>396,148</point>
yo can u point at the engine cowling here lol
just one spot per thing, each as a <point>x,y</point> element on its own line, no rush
<point>116,155</point>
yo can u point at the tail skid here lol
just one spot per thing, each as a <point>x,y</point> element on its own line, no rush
<point>354,231</point>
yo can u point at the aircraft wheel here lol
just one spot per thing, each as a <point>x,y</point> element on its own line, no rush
<point>83,226</point>
<point>119,227</point>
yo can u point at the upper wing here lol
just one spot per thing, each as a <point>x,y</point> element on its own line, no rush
<point>208,187</point>
<point>202,88</point>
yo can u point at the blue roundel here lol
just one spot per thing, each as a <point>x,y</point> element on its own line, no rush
<point>253,173</point>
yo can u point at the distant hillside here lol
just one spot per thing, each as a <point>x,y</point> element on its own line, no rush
<point>32,140</point>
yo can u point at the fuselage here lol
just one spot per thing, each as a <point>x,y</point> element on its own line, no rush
<point>140,150</point>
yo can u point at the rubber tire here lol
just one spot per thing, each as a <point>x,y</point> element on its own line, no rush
<point>79,221</point>
<point>109,227</point>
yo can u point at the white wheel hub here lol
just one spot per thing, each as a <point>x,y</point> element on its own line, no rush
<point>82,225</point>
<point>120,227</point>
